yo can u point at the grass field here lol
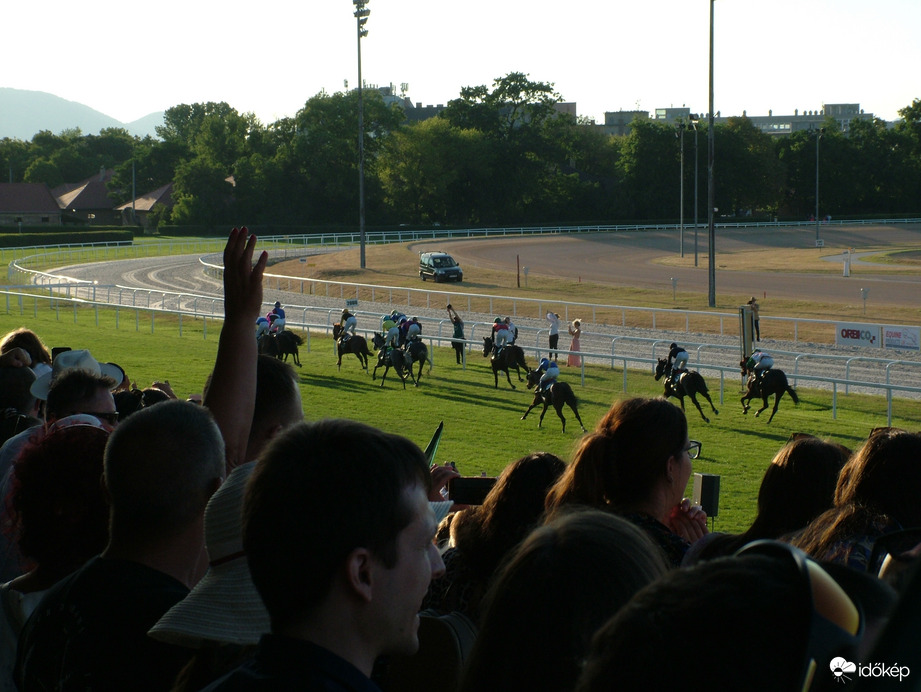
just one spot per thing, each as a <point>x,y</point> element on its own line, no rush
<point>483,430</point>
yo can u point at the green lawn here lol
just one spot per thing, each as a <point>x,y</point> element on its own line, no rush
<point>483,430</point>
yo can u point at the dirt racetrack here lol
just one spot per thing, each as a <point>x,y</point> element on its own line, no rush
<point>650,259</point>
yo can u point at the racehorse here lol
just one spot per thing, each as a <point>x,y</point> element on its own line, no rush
<point>417,352</point>
<point>559,393</point>
<point>398,360</point>
<point>511,356</point>
<point>355,344</point>
<point>280,345</point>
<point>772,382</point>
<point>690,384</point>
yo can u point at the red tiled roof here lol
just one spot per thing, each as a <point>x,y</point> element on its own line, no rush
<point>27,198</point>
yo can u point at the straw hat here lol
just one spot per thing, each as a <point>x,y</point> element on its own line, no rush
<point>68,360</point>
<point>224,606</point>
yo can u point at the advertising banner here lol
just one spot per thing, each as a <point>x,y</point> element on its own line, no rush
<point>908,338</point>
<point>853,334</point>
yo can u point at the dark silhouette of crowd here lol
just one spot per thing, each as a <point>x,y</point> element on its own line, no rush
<point>224,543</point>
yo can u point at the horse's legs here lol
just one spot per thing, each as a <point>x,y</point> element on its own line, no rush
<point>575,410</point>
<point>694,401</point>
<point>540,421</point>
<point>706,395</point>
<point>559,412</point>
<point>537,399</point>
<point>777,397</point>
<point>509,378</point>
<point>764,400</point>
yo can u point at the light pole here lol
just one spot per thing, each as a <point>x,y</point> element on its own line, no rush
<point>361,18</point>
<point>711,296</point>
<point>818,137</point>
<point>695,121</point>
<point>680,134</point>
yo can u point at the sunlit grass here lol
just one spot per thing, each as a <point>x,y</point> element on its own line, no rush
<point>483,430</point>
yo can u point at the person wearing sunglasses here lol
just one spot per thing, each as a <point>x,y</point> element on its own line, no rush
<point>637,464</point>
<point>877,493</point>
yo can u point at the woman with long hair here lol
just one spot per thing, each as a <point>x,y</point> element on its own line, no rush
<point>637,464</point>
<point>877,493</point>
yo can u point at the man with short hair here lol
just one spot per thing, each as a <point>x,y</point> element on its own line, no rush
<point>90,631</point>
<point>338,533</point>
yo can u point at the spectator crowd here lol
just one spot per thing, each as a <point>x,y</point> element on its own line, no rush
<point>225,543</point>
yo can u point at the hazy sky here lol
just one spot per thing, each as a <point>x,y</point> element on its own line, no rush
<point>128,59</point>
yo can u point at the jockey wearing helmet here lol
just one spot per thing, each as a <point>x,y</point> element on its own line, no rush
<point>678,359</point>
<point>759,362</point>
<point>348,322</point>
<point>413,329</point>
<point>500,335</point>
<point>551,371</point>
<point>262,327</point>
<point>278,324</point>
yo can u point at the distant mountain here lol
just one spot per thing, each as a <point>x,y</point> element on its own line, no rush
<point>24,113</point>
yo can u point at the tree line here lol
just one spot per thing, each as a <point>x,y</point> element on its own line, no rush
<point>496,155</point>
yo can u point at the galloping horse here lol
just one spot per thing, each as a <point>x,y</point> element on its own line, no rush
<point>511,356</point>
<point>355,344</point>
<point>280,345</point>
<point>560,393</point>
<point>772,382</point>
<point>417,352</point>
<point>398,360</point>
<point>690,384</point>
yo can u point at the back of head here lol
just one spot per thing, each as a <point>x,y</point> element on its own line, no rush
<point>15,384</point>
<point>558,586</point>
<point>885,476</point>
<point>73,389</point>
<point>797,487</point>
<point>28,340</point>
<point>510,510</point>
<point>319,491</point>
<point>161,466</point>
<point>60,511</point>
<point>278,401</point>
<point>738,608</point>
<point>626,455</point>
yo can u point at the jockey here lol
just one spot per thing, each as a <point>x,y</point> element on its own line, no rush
<point>404,328</point>
<point>395,315</point>
<point>678,359</point>
<point>348,322</point>
<point>551,371</point>
<point>759,362</point>
<point>391,336</point>
<point>262,327</point>
<point>500,335</point>
<point>413,329</point>
<point>279,324</point>
<point>273,323</point>
<point>512,330</point>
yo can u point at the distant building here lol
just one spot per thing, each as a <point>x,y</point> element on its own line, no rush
<point>88,200</point>
<point>142,211</point>
<point>28,204</point>
<point>619,123</point>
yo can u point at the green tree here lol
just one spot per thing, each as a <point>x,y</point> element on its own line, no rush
<point>201,193</point>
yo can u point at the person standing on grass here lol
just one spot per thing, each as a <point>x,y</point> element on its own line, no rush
<point>554,337</point>
<point>575,331</point>
<point>457,341</point>
<point>756,309</point>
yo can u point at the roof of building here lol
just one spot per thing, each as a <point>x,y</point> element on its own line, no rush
<point>162,195</point>
<point>27,197</point>
<point>91,193</point>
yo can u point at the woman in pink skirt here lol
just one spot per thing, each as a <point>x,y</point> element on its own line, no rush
<point>575,331</point>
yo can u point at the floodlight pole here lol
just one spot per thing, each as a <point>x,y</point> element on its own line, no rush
<point>711,295</point>
<point>361,17</point>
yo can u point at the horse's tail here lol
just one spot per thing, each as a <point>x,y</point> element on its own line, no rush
<point>793,395</point>
<point>701,383</point>
<point>368,351</point>
<point>297,337</point>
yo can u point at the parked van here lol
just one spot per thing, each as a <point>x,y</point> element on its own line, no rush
<point>439,266</point>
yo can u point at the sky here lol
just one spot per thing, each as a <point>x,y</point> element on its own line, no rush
<point>129,59</point>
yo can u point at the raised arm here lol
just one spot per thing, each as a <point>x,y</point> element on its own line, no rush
<point>231,395</point>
